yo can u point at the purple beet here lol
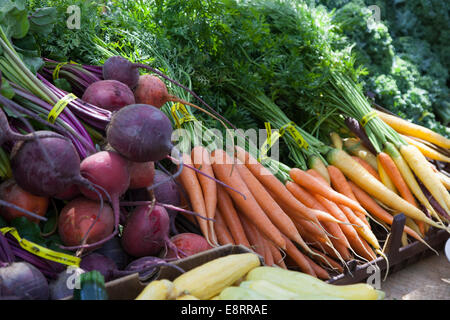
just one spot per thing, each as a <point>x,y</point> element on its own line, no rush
<point>146,231</point>
<point>109,94</point>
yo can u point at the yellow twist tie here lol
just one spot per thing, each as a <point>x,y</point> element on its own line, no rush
<point>59,107</point>
<point>292,130</point>
<point>42,251</point>
<point>186,115</point>
<point>58,67</point>
<point>371,115</point>
<point>270,141</point>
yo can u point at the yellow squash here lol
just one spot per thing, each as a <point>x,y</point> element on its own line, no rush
<point>304,285</point>
<point>157,290</point>
<point>209,279</point>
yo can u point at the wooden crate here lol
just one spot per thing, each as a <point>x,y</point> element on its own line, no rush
<point>399,257</point>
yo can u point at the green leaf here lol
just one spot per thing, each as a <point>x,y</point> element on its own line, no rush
<point>28,50</point>
<point>49,225</point>
<point>28,230</point>
<point>14,18</point>
<point>33,63</point>
<point>42,20</point>
<point>63,84</point>
<point>6,90</point>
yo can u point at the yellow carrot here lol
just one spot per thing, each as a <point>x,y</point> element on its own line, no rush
<point>405,127</point>
<point>356,148</point>
<point>419,165</point>
<point>336,140</point>
<point>407,174</point>
<point>355,172</point>
<point>426,150</point>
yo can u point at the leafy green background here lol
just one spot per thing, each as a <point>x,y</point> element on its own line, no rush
<point>406,54</point>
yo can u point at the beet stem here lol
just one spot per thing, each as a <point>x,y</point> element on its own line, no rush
<point>97,217</point>
<point>172,176</point>
<point>140,65</point>
<point>168,206</point>
<point>13,206</point>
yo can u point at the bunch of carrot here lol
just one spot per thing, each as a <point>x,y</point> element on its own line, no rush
<point>317,219</point>
<point>305,219</point>
<point>399,179</point>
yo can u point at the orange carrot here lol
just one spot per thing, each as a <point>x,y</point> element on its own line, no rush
<point>340,184</point>
<point>399,183</point>
<point>276,254</point>
<point>189,180</point>
<point>377,211</point>
<point>221,229</point>
<point>396,177</point>
<point>317,229</point>
<point>349,231</point>
<point>367,166</point>
<point>225,171</point>
<point>305,228</point>
<point>278,217</point>
<point>268,257</point>
<point>278,189</point>
<point>332,262</point>
<point>299,258</point>
<point>331,251</point>
<point>314,185</point>
<point>368,247</point>
<point>310,201</point>
<point>201,160</point>
<point>309,233</point>
<point>320,272</point>
<point>230,216</point>
<point>252,235</point>
<point>317,175</point>
<point>320,214</point>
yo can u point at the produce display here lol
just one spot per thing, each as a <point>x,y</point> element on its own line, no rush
<point>127,146</point>
<point>240,277</point>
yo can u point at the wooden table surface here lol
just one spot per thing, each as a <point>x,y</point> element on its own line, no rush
<point>428,279</point>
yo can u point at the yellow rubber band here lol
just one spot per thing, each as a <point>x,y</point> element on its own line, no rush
<point>272,138</point>
<point>187,117</point>
<point>58,67</point>
<point>371,115</point>
<point>42,251</point>
<point>293,132</point>
<point>59,107</point>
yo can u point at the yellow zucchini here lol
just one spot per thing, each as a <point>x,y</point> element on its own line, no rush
<point>274,292</point>
<point>187,297</point>
<point>240,293</point>
<point>209,279</point>
<point>305,284</point>
<point>157,290</point>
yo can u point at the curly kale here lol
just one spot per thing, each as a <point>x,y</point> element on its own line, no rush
<point>404,54</point>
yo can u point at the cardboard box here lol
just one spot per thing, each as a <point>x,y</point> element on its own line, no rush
<point>128,287</point>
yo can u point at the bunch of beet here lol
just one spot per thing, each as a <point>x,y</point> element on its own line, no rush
<point>92,191</point>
